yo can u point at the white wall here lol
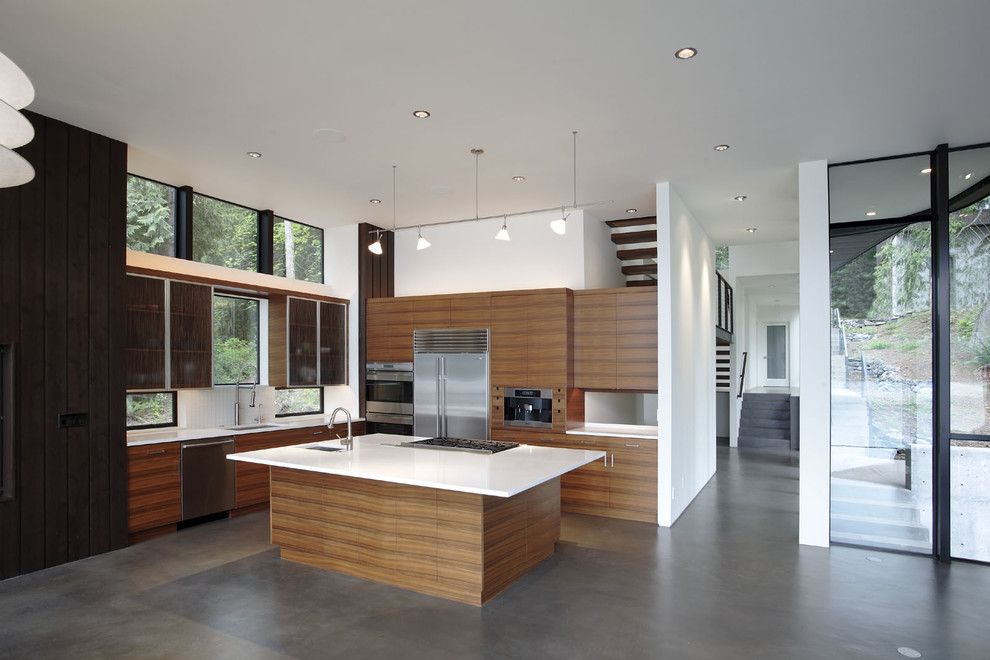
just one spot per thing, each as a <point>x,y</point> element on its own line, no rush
<point>686,346</point>
<point>762,259</point>
<point>814,353</point>
<point>340,272</point>
<point>602,268</point>
<point>466,257</point>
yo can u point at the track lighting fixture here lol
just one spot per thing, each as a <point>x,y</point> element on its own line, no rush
<point>376,247</point>
<point>422,243</point>
<point>503,233</point>
<point>559,225</point>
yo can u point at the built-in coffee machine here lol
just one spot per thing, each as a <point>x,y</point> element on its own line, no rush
<point>528,407</point>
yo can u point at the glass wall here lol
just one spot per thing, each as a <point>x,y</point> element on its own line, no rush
<point>882,394</point>
<point>150,216</point>
<point>236,340</point>
<point>969,344</point>
<point>298,251</point>
<point>224,234</point>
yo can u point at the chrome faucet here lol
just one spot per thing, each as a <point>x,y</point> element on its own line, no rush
<point>243,383</point>
<point>349,442</point>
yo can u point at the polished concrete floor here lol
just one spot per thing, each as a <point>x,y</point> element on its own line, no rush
<point>728,581</point>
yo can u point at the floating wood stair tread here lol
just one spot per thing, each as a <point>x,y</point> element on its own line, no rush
<point>632,222</point>
<point>625,238</point>
<point>641,282</point>
<point>640,269</point>
<point>637,253</point>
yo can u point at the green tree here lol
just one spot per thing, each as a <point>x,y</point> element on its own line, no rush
<point>150,216</point>
<point>224,234</point>
<point>853,288</point>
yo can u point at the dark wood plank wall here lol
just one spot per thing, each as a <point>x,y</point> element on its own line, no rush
<point>61,290</point>
<point>376,279</point>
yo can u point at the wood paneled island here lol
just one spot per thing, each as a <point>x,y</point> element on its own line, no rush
<point>457,525</point>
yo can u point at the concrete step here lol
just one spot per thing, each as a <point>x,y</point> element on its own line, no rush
<point>767,409</point>
<point>888,529</point>
<point>881,542</point>
<point>758,425</point>
<point>760,442</point>
<point>769,434</point>
<point>896,513</point>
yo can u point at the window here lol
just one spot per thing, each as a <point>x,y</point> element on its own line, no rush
<point>236,339</point>
<point>298,401</point>
<point>146,410</point>
<point>150,216</point>
<point>298,251</point>
<point>224,234</point>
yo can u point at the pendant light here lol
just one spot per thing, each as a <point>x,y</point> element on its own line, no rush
<point>503,233</point>
<point>559,225</point>
<point>422,243</point>
<point>376,247</point>
<point>16,91</point>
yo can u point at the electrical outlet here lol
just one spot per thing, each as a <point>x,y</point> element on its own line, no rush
<point>73,420</point>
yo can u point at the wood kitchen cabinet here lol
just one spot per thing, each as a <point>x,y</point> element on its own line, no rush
<point>144,354</point>
<point>252,481</point>
<point>154,497</point>
<point>531,338</point>
<point>190,335</point>
<point>307,342</point>
<point>623,485</point>
<point>333,343</point>
<point>615,339</point>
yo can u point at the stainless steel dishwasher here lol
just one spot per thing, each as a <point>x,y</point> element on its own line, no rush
<point>207,477</point>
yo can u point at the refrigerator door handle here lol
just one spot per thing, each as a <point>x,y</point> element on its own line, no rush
<point>439,402</point>
<point>443,396</point>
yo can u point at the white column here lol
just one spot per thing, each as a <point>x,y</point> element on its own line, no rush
<point>814,351</point>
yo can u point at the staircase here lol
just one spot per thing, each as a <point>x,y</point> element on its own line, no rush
<point>636,247</point>
<point>765,420</point>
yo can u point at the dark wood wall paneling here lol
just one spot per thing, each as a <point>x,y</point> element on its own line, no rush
<point>61,286</point>
<point>376,279</point>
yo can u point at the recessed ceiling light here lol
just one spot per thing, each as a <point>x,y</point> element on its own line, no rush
<point>254,154</point>
<point>518,178</point>
<point>968,176</point>
<point>751,230</point>
<point>421,114</point>
<point>871,213</point>
<point>685,53</point>
<point>721,147</point>
<point>831,251</point>
<point>740,198</point>
<point>908,652</point>
<point>375,201</point>
<point>632,210</point>
<point>927,170</point>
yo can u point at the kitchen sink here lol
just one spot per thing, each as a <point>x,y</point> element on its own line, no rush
<point>253,427</point>
<point>324,448</point>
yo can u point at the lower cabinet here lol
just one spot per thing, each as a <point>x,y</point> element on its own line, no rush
<point>252,481</point>
<point>623,485</point>
<point>154,496</point>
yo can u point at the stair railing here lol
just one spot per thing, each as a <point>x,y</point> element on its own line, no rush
<point>742,374</point>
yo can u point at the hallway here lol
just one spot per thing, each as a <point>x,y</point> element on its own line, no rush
<point>729,575</point>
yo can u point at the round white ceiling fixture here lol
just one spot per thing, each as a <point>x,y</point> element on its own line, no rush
<point>685,53</point>
<point>632,210</point>
<point>721,147</point>
<point>15,88</point>
<point>421,114</point>
<point>518,178</point>
<point>374,201</point>
<point>14,169</point>
<point>870,214</point>
<point>751,230</point>
<point>254,154</point>
<point>740,198</point>
<point>927,170</point>
<point>329,135</point>
<point>15,129</point>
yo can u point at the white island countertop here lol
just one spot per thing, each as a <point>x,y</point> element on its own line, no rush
<point>380,457</point>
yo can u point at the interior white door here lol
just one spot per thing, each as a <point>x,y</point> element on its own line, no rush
<point>775,352</point>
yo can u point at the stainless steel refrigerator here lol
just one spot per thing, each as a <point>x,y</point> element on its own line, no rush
<point>450,383</point>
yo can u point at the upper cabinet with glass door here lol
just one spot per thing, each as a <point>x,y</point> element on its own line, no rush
<point>307,342</point>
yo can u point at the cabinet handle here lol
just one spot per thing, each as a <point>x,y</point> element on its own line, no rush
<point>317,432</point>
<point>613,459</point>
<point>634,445</point>
<point>156,452</point>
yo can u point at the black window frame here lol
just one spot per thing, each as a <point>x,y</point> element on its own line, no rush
<point>221,293</point>
<point>175,410</point>
<point>266,218</point>
<point>323,248</point>
<point>321,410</point>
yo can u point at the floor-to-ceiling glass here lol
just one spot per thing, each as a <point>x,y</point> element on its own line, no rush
<point>969,249</point>
<point>881,376</point>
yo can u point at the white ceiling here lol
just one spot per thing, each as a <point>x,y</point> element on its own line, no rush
<point>192,86</point>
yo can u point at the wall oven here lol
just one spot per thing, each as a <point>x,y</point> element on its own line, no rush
<point>531,407</point>
<point>388,393</point>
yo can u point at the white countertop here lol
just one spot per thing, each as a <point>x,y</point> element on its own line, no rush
<point>155,436</point>
<point>617,431</point>
<point>379,457</point>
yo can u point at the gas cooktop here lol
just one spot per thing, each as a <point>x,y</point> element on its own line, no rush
<point>462,444</point>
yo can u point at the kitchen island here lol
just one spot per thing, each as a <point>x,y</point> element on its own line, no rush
<point>454,524</point>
